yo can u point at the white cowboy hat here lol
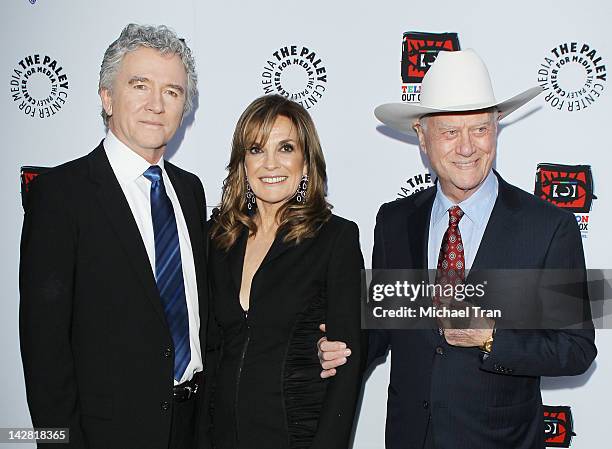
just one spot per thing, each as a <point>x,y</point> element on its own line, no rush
<point>458,81</point>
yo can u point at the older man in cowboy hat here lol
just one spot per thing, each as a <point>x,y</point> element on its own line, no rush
<point>478,387</point>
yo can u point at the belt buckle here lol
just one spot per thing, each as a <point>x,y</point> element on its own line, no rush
<point>188,392</point>
<point>195,388</point>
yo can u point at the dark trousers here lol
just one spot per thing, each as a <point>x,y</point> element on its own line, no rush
<point>183,430</point>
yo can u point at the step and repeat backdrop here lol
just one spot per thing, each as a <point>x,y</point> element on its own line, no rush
<point>339,60</point>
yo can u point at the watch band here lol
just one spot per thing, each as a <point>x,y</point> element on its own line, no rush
<point>487,346</point>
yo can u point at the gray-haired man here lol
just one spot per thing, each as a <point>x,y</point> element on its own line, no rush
<point>112,278</point>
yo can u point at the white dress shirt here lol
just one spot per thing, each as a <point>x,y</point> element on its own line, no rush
<point>477,211</point>
<point>129,168</point>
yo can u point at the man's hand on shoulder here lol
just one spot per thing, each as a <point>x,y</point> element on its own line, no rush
<point>332,354</point>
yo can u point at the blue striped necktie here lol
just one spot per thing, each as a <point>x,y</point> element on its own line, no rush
<point>169,270</point>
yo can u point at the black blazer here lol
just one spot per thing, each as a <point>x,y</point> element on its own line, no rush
<point>267,389</point>
<point>96,349</point>
<point>476,402</point>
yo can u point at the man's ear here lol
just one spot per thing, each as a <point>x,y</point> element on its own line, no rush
<point>418,128</point>
<point>107,101</point>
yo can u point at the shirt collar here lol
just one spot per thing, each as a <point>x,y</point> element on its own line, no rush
<point>126,163</point>
<point>476,207</point>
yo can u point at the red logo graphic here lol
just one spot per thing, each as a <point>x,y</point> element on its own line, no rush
<point>419,51</point>
<point>558,426</point>
<point>567,186</point>
<point>27,176</point>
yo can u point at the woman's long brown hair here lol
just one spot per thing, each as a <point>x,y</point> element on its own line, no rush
<point>298,220</point>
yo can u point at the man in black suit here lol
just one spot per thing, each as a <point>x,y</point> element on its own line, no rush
<point>477,387</point>
<point>112,274</point>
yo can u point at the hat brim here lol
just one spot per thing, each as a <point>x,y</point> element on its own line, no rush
<point>402,116</point>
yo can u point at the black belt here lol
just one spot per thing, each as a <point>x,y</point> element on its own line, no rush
<point>188,389</point>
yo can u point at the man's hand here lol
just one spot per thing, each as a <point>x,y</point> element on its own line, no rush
<point>468,332</point>
<point>332,354</point>
<point>467,338</point>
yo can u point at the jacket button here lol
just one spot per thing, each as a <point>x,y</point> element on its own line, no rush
<point>168,353</point>
<point>165,405</point>
<point>425,404</point>
<point>440,350</point>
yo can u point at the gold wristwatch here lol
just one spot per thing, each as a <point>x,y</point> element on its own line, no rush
<point>487,346</point>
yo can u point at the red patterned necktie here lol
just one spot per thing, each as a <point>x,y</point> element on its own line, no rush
<point>451,261</point>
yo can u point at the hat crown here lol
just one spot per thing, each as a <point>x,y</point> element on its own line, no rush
<point>457,79</point>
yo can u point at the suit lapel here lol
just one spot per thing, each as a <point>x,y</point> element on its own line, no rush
<point>404,234</point>
<point>235,259</point>
<point>191,213</point>
<point>502,222</point>
<point>418,228</point>
<point>417,223</point>
<point>114,204</point>
<point>279,246</point>
<point>236,255</point>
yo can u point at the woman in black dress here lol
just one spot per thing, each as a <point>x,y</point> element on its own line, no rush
<point>281,264</point>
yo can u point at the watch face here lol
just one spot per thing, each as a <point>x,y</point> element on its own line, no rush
<point>487,345</point>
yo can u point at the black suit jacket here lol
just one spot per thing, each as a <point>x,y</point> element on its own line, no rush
<point>267,388</point>
<point>476,402</point>
<point>96,349</point>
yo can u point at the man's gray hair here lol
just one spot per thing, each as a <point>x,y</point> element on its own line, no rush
<point>160,38</point>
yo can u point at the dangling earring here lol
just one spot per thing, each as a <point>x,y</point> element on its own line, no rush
<point>300,195</point>
<point>250,197</point>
